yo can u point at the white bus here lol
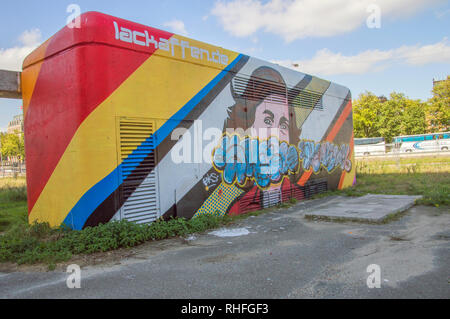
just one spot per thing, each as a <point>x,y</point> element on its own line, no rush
<point>370,146</point>
<point>423,142</point>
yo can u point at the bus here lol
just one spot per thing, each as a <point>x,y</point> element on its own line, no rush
<point>128,122</point>
<point>370,146</point>
<point>422,142</point>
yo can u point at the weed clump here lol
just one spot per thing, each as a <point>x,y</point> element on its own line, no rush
<point>40,243</point>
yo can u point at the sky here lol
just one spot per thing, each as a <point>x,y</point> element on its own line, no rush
<point>379,46</point>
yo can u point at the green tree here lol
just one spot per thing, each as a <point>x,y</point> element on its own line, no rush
<point>12,145</point>
<point>438,108</point>
<point>401,116</point>
<point>391,116</point>
<point>366,111</point>
<point>414,117</point>
<point>379,116</point>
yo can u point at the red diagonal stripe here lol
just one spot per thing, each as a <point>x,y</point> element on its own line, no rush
<point>345,113</point>
<point>71,84</point>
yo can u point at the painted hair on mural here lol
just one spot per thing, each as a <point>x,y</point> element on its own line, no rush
<point>265,82</point>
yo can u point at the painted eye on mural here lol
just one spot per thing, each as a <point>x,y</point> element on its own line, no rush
<point>284,124</point>
<point>268,121</point>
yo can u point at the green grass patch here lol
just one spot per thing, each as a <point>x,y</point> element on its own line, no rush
<point>13,203</point>
<point>427,176</point>
<point>434,187</point>
<point>419,160</point>
<point>13,190</point>
<point>13,213</point>
<point>38,243</point>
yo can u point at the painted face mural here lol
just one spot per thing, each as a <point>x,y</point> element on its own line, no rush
<point>272,118</point>
<point>264,154</point>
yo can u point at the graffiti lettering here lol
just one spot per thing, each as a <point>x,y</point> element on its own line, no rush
<point>269,160</point>
<point>313,155</point>
<point>210,180</point>
<point>265,161</point>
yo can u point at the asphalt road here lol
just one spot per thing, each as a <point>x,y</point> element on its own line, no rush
<point>282,256</point>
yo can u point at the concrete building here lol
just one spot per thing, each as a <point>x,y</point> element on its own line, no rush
<point>101,150</point>
<point>16,125</point>
<point>437,81</point>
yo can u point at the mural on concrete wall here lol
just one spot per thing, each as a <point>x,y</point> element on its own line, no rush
<point>279,134</point>
<point>258,169</point>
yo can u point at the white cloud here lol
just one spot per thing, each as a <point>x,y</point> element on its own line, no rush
<point>296,19</point>
<point>420,55</point>
<point>12,58</point>
<point>177,26</point>
<point>326,62</point>
<point>441,14</point>
<point>30,37</point>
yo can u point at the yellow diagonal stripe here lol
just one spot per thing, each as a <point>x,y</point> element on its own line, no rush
<point>157,90</point>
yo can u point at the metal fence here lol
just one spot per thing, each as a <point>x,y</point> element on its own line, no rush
<point>12,169</point>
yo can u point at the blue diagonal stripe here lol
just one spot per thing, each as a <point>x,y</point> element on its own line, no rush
<point>99,192</point>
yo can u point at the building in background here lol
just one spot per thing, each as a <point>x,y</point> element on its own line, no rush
<point>16,125</point>
<point>436,82</point>
<point>12,162</point>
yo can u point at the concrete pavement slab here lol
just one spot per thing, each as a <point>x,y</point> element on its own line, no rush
<point>368,208</point>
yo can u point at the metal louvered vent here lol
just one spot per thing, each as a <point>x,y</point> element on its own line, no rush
<point>274,197</point>
<point>311,188</point>
<point>271,198</point>
<point>258,89</point>
<point>267,199</point>
<point>315,186</point>
<point>304,98</point>
<point>140,181</point>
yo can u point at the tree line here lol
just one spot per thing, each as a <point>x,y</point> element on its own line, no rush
<point>378,116</point>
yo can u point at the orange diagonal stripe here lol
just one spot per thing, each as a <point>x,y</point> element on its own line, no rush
<point>345,113</point>
<point>350,155</point>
